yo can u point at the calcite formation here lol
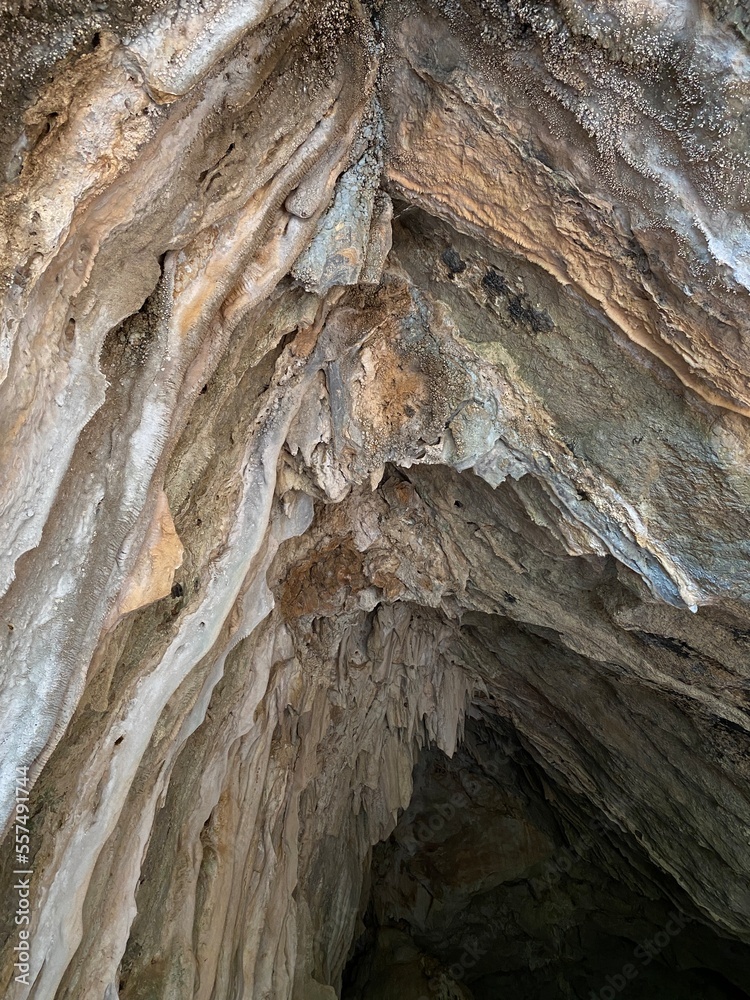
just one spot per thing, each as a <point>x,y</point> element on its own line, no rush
<point>375,558</point>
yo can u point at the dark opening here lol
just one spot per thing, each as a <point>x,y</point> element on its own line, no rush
<point>496,884</point>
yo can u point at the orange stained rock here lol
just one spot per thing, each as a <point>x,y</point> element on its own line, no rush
<point>153,573</point>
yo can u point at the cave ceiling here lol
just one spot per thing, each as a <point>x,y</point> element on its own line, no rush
<point>375,475</point>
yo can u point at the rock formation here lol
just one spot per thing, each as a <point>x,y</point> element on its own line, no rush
<point>375,558</point>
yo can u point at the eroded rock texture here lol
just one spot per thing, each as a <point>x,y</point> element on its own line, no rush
<point>374,445</point>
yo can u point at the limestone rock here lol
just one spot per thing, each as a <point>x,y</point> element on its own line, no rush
<point>374,450</point>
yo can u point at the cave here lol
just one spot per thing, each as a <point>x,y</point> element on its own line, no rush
<point>495,883</point>
<point>374,500</point>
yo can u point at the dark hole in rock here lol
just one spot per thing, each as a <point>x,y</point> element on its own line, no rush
<point>497,884</point>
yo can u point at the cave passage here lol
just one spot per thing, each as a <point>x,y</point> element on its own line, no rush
<point>496,884</point>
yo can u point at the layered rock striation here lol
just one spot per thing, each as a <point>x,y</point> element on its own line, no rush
<point>373,431</point>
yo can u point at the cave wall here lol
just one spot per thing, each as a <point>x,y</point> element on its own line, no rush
<point>362,366</point>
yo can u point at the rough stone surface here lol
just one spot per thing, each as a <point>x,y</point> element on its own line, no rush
<point>374,435</point>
